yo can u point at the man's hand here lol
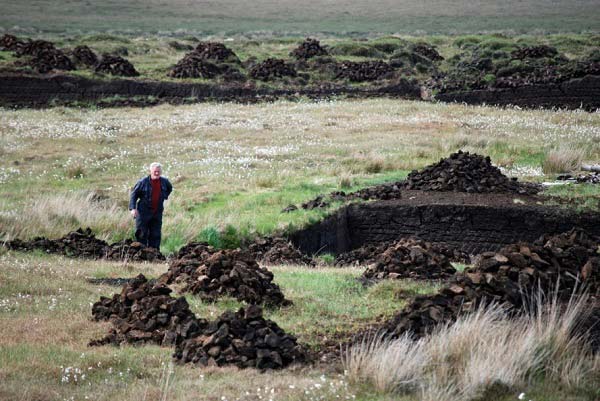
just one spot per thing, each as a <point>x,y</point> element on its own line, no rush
<point>134,213</point>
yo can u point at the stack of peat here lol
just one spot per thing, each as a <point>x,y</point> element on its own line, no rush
<point>465,172</point>
<point>132,251</point>
<point>192,65</point>
<point>277,251</point>
<point>43,56</point>
<point>144,312</point>
<point>244,339</point>
<point>272,68</point>
<point>410,258</point>
<point>83,244</point>
<point>215,51</point>
<point>510,277</point>
<point>233,273</point>
<point>428,51</point>
<point>540,51</point>
<point>308,49</point>
<point>363,71</point>
<point>83,55</point>
<point>10,43</point>
<point>80,243</point>
<point>116,65</point>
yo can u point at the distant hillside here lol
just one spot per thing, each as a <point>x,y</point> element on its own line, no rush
<point>291,16</point>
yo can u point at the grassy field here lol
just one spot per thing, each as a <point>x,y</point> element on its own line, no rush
<point>341,17</point>
<point>45,306</point>
<point>235,167</point>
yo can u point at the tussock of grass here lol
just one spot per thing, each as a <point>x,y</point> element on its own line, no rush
<point>564,159</point>
<point>464,360</point>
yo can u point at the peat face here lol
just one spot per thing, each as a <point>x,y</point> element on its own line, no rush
<point>473,226</point>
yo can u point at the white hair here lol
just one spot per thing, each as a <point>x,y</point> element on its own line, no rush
<point>155,164</point>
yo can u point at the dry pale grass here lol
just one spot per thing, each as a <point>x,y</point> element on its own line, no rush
<point>564,159</point>
<point>463,360</point>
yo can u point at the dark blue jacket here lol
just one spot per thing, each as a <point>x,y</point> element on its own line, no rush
<point>141,196</point>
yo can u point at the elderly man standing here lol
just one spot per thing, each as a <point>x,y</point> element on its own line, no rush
<point>146,205</point>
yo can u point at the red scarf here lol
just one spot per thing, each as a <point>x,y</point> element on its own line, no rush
<point>155,194</point>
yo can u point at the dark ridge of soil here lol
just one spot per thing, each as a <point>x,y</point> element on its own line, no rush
<point>272,68</point>
<point>466,172</point>
<point>469,222</point>
<point>278,251</point>
<point>42,56</point>
<point>579,93</point>
<point>144,312</point>
<point>244,339</point>
<point>22,90</point>
<point>410,258</point>
<point>308,49</point>
<point>116,65</point>
<point>509,277</point>
<point>83,244</point>
<point>83,55</point>
<point>363,71</point>
<point>232,273</point>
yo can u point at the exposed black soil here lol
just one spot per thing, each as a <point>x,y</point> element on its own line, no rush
<point>277,251</point>
<point>272,68</point>
<point>308,49</point>
<point>115,65</point>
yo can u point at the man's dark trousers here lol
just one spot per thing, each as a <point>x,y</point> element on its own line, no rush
<point>148,229</point>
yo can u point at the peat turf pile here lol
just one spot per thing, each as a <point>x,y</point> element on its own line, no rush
<point>465,172</point>
<point>116,65</point>
<point>272,68</point>
<point>363,71</point>
<point>192,65</point>
<point>215,51</point>
<point>79,243</point>
<point>83,55</point>
<point>43,56</point>
<point>132,251</point>
<point>10,43</point>
<point>428,51</point>
<point>278,251</point>
<point>82,243</point>
<point>509,276</point>
<point>308,49</point>
<point>410,258</point>
<point>539,51</point>
<point>244,339</point>
<point>233,273</point>
<point>144,312</point>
